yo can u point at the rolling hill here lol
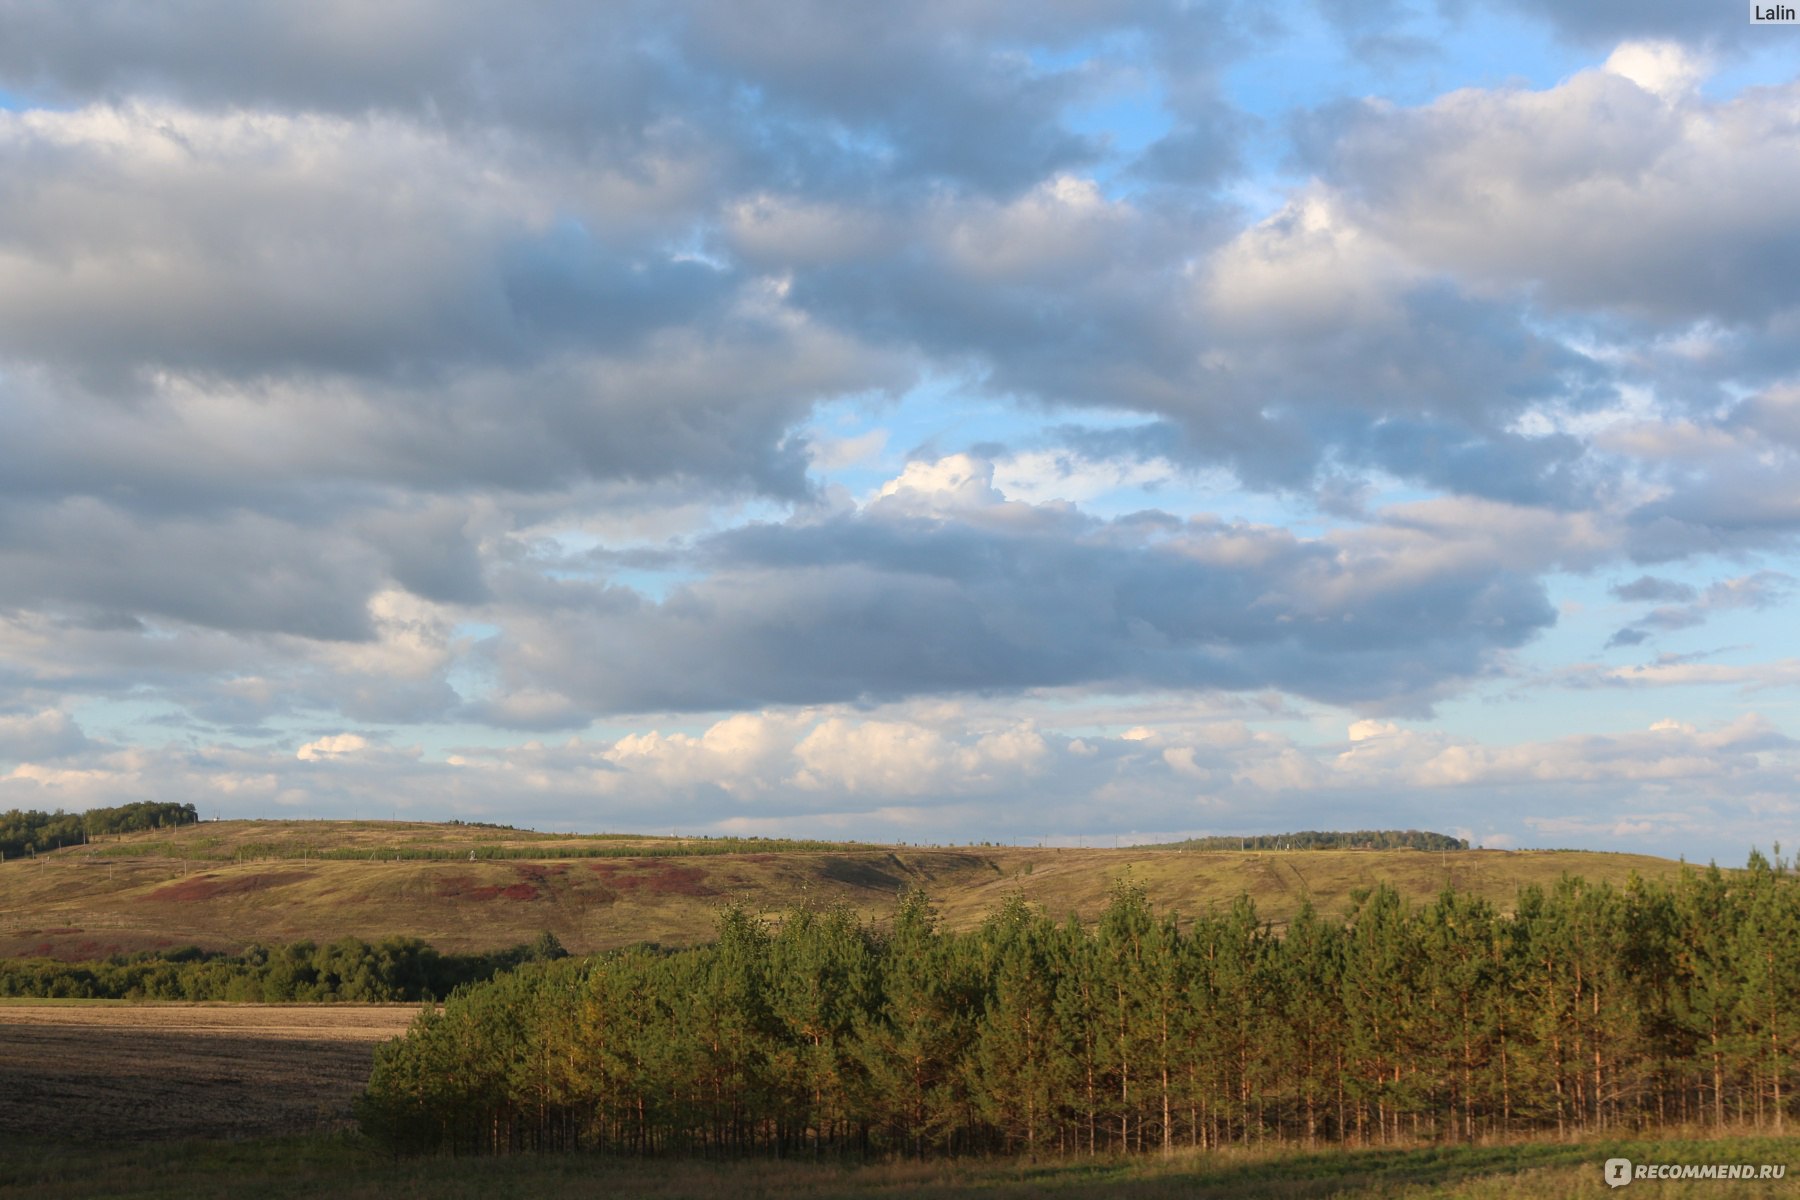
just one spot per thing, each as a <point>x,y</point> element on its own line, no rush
<point>224,884</point>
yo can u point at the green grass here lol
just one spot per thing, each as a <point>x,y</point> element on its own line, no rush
<point>346,1166</point>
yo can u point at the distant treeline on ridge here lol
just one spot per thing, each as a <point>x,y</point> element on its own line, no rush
<point>1314,839</point>
<point>26,831</point>
<point>395,969</point>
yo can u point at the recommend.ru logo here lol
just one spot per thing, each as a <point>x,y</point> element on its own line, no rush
<point>1620,1171</point>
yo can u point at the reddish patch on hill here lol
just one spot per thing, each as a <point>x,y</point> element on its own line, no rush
<point>211,887</point>
<point>540,872</point>
<point>461,887</point>
<point>654,879</point>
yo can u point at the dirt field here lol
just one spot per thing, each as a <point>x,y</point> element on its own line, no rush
<point>117,1072</point>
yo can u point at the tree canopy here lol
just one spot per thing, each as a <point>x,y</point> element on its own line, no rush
<point>1588,1007</point>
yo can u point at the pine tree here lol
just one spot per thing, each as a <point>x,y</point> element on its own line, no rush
<point>1310,995</point>
<point>1021,1067</point>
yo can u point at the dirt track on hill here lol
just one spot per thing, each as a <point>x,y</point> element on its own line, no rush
<point>126,1072</point>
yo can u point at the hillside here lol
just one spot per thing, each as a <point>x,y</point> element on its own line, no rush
<point>222,885</point>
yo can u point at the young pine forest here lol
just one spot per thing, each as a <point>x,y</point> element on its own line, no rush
<point>1587,1008</point>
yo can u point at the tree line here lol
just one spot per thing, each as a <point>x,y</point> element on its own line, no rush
<point>349,969</point>
<point>1588,1007</point>
<point>1316,839</point>
<point>26,831</point>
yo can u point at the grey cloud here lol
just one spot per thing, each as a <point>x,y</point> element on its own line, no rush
<point>1375,30</point>
<point>39,736</point>
<point>1741,504</point>
<point>431,551</point>
<point>1649,587</point>
<point>947,91</point>
<point>245,574</point>
<point>943,105</point>
<point>397,668</point>
<point>1597,192</point>
<point>1772,414</point>
<point>1422,382</point>
<point>463,311</point>
<point>228,245</point>
<point>561,66</point>
<point>1603,23</point>
<point>716,413</point>
<point>1763,589</point>
<point>266,303</point>
<point>1426,396</point>
<point>878,608</point>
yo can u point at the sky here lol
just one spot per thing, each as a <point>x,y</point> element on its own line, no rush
<point>1074,421</point>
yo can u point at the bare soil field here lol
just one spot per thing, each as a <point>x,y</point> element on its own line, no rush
<point>128,1072</point>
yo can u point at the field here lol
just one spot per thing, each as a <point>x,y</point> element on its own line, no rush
<point>222,885</point>
<point>343,1166</point>
<point>116,1072</point>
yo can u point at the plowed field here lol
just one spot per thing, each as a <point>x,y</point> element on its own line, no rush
<point>112,1072</point>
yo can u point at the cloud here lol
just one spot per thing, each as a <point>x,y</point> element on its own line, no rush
<point>1755,591</point>
<point>1648,587</point>
<point>433,313</point>
<point>338,745</point>
<point>1668,750</point>
<point>1515,187</point>
<point>918,91</point>
<point>1605,22</point>
<point>46,735</point>
<point>1679,671</point>
<point>941,585</point>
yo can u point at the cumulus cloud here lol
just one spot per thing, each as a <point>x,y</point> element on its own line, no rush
<point>335,746</point>
<point>1515,186</point>
<point>39,736</point>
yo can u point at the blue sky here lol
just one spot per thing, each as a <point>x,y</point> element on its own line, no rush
<point>985,421</point>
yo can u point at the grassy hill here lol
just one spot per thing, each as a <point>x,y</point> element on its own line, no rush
<point>223,884</point>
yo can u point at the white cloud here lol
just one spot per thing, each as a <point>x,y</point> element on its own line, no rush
<point>1668,69</point>
<point>337,745</point>
<point>954,483</point>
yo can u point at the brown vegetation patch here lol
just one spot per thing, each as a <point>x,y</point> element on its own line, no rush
<point>654,879</point>
<point>210,887</point>
<point>461,887</point>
